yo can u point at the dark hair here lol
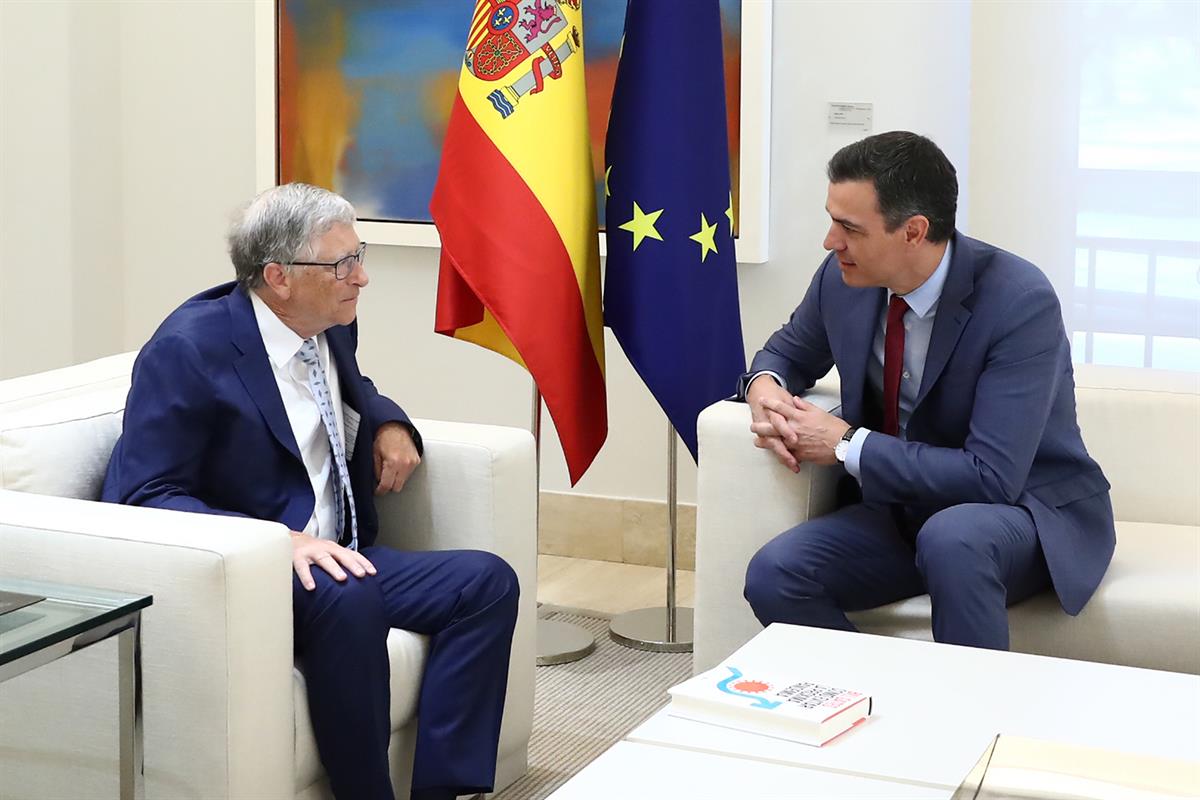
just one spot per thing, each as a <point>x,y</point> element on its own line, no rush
<point>911,176</point>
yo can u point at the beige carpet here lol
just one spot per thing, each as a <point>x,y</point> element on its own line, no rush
<point>583,708</point>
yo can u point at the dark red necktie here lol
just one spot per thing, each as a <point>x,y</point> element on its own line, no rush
<point>893,364</point>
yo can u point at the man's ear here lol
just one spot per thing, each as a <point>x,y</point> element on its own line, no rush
<point>278,280</point>
<point>916,229</point>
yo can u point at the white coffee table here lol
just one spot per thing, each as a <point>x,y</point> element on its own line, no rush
<point>936,709</point>
<point>636,770</point>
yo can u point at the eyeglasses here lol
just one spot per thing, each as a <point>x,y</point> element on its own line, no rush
<point>343,266</point>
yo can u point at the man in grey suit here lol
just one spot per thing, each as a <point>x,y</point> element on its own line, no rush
<point>970,480</point>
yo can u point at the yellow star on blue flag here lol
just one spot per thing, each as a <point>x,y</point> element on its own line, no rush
<point>705,237</point>
<point>642,225</point>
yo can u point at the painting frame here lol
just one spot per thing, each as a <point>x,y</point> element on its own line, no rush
<point>754,163</point>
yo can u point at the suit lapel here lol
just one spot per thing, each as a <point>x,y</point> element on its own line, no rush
<point>254,369</point>
<point>952,315</point>
<point>860,319</point>
<point>349,378</point>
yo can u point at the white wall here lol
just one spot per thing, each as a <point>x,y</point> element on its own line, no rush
<point>187,133</point>
<point>59,160</point>
<point>1013,51</point>
<point>184,115</point>
<point>126,139</point>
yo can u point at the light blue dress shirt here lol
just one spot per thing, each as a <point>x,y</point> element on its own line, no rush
<point>918,328</point>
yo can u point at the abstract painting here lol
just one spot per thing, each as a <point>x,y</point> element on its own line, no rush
<point>364,91</point>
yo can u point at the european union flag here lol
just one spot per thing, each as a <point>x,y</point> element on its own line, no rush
<point>670,291</point>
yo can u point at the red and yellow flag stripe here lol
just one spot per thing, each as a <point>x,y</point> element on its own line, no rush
<point>514,204</point>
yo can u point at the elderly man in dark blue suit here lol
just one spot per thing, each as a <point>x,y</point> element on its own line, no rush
<point>248,401</point>
<point>957,423</point>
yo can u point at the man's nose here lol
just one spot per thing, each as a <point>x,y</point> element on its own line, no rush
<point>359,275</point>
<point>832,240</point>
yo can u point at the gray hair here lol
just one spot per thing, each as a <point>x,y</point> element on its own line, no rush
<point>282,225</point>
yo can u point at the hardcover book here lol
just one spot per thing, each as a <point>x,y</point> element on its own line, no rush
<point>769,701</point>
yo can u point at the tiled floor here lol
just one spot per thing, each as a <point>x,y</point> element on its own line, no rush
<point>607,586</point>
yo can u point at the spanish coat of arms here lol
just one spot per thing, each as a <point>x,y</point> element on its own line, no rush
<point>511,40</point>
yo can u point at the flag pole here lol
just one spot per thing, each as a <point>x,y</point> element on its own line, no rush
<point>557,642</point>
<point>672,530</point>
<point>669,629</point>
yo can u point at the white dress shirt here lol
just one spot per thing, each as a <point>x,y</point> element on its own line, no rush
<point>291,376</point>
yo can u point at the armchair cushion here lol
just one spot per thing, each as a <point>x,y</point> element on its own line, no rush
<point>1144,614</point>
<point>58,428</point>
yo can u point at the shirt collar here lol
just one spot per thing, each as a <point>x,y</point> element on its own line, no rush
<point>282,343</point>
<point>924,298</point>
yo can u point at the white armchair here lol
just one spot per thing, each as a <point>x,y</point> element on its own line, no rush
<point>1142,426</point>
<point>225,714</point>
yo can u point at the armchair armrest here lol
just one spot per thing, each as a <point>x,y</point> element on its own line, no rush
<point>476,488</point>
<point>744,499</point>
<point>216,651</point>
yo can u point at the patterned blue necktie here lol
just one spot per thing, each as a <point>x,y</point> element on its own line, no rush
<point>341,475</point>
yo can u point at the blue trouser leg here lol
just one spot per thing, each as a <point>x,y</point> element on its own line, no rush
<point>341,641</point>
<point>976,560</point>
<point>972,559</point>
<point>466,602</point>
<point>849,560</point>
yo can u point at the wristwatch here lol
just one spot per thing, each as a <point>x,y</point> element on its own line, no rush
<point>842,448</point>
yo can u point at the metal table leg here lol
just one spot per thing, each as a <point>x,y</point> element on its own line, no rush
<point>129,682</point>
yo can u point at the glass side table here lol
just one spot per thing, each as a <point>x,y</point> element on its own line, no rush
<point>70,618</point>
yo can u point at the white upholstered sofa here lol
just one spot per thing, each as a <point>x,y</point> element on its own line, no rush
<point>1142,426</point>
<point>225,714</point>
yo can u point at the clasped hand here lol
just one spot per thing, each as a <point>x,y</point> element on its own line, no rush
<point>790,427</point>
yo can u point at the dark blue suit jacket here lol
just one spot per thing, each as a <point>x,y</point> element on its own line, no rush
<point>994,420</point>
<point>205,428</point>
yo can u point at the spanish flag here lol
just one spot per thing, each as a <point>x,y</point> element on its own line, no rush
<point>515,207</point>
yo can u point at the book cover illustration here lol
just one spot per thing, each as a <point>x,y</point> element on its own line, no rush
<point>799,710</point>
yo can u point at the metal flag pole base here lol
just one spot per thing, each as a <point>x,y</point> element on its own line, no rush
<point>661,630</point>
<point>651,629</point>
<point>557,642</point>
<point>561,642</point>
